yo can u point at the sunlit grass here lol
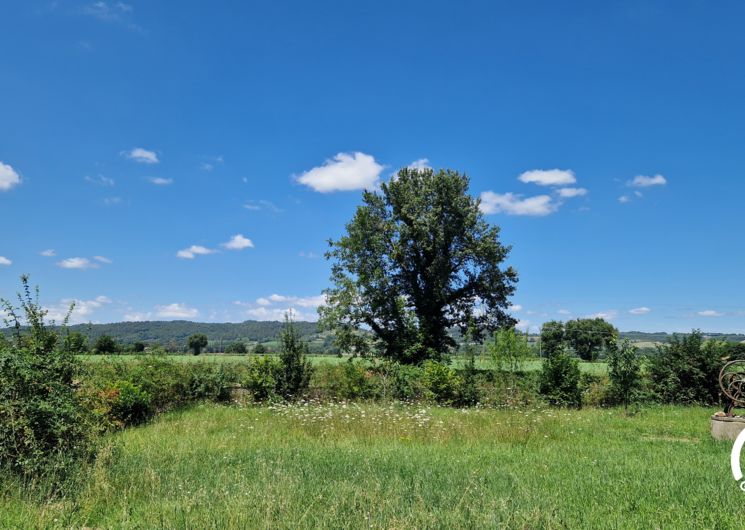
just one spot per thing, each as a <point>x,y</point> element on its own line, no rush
<point>482,362</point>
<point>393,466</point>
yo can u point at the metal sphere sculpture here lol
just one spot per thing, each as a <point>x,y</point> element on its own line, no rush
<point>732,383</point>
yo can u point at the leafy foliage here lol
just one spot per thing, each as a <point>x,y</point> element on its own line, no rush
<point>625,373</point>
<point>197,343</point>
<point>296,369</point>
<point>509,349</point>
<point>237,347</point>
<point>416,260</point>
<point>588,336</point>
<point>686,370</point>
<point>559,382</point>
<point>105,344</point>
<point>44,427</point>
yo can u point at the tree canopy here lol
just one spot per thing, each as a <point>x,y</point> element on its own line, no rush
<point>417,258</point>
<point>588,336</point>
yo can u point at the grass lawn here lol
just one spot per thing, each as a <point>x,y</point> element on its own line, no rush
<point>377,466</point>
<point>535,364</point>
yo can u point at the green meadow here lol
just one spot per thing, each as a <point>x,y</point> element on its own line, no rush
<point>482,362</point>
<point>343,465</point>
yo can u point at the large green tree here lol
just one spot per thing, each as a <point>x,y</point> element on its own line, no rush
<point>417,258</point>
<point>197,343</point>
<point>588,336</point>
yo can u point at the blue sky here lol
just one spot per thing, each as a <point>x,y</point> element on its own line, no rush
<point>138,139</point>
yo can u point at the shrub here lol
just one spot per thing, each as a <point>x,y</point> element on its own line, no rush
<point>259,349</point>
<point>296,369</point>
<point>348,380</point>
<point>197,343</point>
<point>559,382</point>
<point>105,345</point>
<point>262,377</point>
<point>128,404</point>
<point>400,381</point>
<point>595,390</point>
<point>441,381</point>
<point>209,383</point>
<point>686,370</point>
<point>44,427</point>
<point>236,347</point>
<point>625,373</point>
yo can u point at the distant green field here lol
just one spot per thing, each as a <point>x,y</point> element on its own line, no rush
<point>391,466</point>
<point>482,363</point>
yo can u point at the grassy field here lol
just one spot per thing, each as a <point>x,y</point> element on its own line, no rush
<point>594,368</point>
<point>375,466</point>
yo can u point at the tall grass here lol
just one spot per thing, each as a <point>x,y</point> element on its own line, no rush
<point>393,466</point>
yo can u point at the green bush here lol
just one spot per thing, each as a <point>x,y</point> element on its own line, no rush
<point>441,382</point>
<point>262,377</point>
<point>129,404</point>
<point>296,369</point>
<point>686,370</point>
<point>209,383</point>
<point>348,380</point>
<point>625,373</point>
<point>559,382</point>
<point>44,427</point>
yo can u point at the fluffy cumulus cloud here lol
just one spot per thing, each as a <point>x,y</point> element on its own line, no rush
<point>345,172</point>
<point>160,181</point>
<point>238,242</point>
<point>9,178</point>
<point>5,262</point>
<point>193,251</point>
<point>640,310</point>
<point>642,181</point>
<point>83,310</point>
<point>143,156</point>
<point>548,177</point>
<point>275,306</point>
<point>710,313</point>
<point>568,193</point>
<point>176,310</point>
<point>513,204</point>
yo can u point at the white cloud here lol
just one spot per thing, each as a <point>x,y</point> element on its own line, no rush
<point>138,154</point>
<point>275,306</point>
<point>102,259</point>
<point>642,181</point>
<point>5,261</point>
<point>194,250</point>
<point>623,199</point>
<point>77,263</point>
<point>512,204</point>
<point>8,177</point>
<point>639,310</point>
<point>176,311</point>
<point>137,317</point>
<point>548,177</point>
<point>82,311</point>
<point>238,242</point>
<point>308,255</point>
<point>710,313</point>
<point>346,172</point>
<point>422,163</point>
<point>48,253</point>
<point>564,312</point>
<point>160,181</point>
<point>605,315</point>
<point>515,308</point>
<point>568,193</point>
<point>100,180</point>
